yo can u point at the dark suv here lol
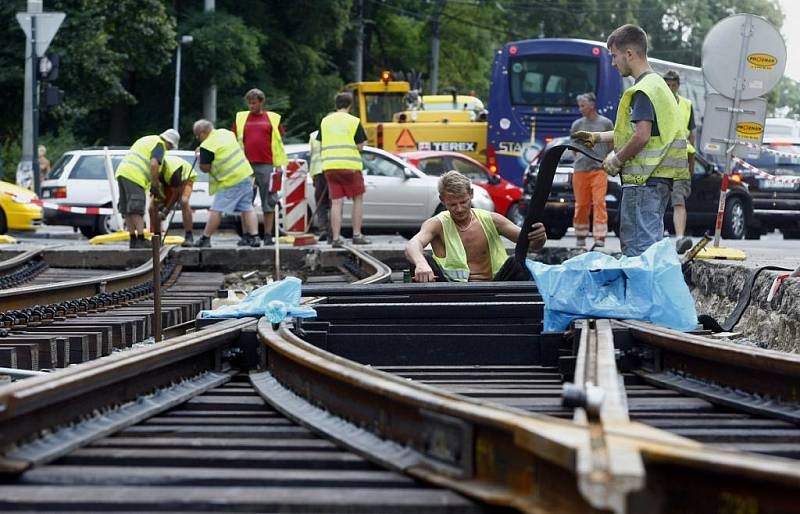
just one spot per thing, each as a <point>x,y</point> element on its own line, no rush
<point>701,205</point>
<point>776,204</point>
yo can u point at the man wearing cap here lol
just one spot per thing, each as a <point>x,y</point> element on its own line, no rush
<point>230,181</point>
<point>175,184</point>
<point>138,173</point>
<point>259,134</point>
<point>681,189</point>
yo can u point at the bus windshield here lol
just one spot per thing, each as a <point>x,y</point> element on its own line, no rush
<point>544,81</point>
<point>381,106</point>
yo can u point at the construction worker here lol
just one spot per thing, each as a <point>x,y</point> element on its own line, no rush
<point>589,181</point>
<point>259,133</point>
<point>176,184</point>
<point>681,189</point>
<point>230,181</point>
<point>321,198</point>
<point>138,173</point>
<point>649,143</point>
<point>465,241</point>
<point>342,138</point>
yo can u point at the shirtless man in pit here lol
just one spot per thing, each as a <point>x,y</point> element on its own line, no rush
<point>466,242</point>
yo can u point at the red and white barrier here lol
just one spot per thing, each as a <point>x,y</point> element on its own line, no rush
<point>788,155</point>
<point>294,197</point>
<point>763,174</point>
<point>721,210</point>
<point>96,211</point>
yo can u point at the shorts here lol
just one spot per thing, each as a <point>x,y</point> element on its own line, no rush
<point>681,189</point>
<point>641,215</point>
<point>263,174</point>
<point>237,198</point>
<point>341,183</point>
<point>132,197</point>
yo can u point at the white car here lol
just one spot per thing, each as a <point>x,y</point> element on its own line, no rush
<point>399,196</point>
<point>79,179</point>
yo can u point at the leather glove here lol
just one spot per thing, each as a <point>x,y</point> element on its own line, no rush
<point>163,213</point>
<point>612,164</point>
<point>587,139</point>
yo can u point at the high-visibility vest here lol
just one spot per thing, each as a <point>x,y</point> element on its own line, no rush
<point>315,166</point>
<point>339,150</point>
<point>664,155</point>
<point>135,166</point>
<point>454,263</point>
<point>278,153</point>
<point>685,109</point>
<point>230,165</point>
<point>172,165</point>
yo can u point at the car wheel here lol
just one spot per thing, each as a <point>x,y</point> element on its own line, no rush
<point>88,232</point>
<point>515,215</point>
<point>735,220</point>
<point>791,233</point>
<point>3,222</point>
<point>555,232</point>
<point>105,225</point>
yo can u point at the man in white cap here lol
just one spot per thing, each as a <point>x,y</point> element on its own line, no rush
<point>139,173</point>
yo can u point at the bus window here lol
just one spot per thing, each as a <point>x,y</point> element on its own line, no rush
<point>536,80</point>
<point>381,107</point>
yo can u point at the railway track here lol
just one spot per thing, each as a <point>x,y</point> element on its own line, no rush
<point>400,398</point>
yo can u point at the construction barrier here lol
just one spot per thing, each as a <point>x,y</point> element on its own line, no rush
<point>295,208</point>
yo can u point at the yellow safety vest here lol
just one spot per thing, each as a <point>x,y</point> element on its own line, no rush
<point>664,155</point>
<point>278,153</point>
<point>339,150</point>
<point>172,164</point>
<point>315,166</point>
<point>454,263</point>
<point>685,108</point>
<point>136,164</point>
<point>230,166</point>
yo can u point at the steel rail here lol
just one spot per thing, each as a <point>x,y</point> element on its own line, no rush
<point>22,258</point>
<point>28,296</point>
<point>502,455</point>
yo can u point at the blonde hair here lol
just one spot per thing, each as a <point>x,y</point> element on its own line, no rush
<point>454,183</point>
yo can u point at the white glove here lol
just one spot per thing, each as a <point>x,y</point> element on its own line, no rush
<point>612,164</point>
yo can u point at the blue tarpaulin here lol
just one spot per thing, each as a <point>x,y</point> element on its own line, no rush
<point>647,287</point>
<point>276,301</point>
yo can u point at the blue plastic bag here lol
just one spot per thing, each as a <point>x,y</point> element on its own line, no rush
<point>276,301</point>
<point>648,287</point>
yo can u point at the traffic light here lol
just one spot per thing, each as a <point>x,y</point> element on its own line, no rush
<point>51,95</point>
<point>48,67</point>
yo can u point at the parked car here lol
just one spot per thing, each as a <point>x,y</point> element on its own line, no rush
<point>16,210</point>
<point>79,179</point>
<point>504,194</point>
<point>701,206</point>
<point>399,196</point>
<point>775,203</point>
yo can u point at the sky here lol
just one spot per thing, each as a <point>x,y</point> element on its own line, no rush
<point>791,12</point>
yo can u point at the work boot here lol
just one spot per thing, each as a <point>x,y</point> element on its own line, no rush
<point>253,241</point>
<point>133,242</point>
<point>188,240</point>
<point>268,239</point>
<point>203,242</point>
<point>141,242</point>
<point>599,243</point>
<point>337,243</point>
<point>244,240</point>
<point>361,239</point>
<point>580,242</point>
<point>683,244</point>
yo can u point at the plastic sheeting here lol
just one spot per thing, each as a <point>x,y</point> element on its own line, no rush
<point>276,301</point>
<point>647,287</point>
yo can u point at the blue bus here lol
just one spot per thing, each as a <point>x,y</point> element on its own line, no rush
<point>532,98</point>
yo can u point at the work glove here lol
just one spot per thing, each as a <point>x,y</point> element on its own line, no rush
<point>587,139</point>
<point>612,164</point>
<point>163,212</point>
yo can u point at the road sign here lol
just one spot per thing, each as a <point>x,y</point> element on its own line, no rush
<point>745,53</point>
<point>717,121</point>
<point>46,27</point>
<point>405,141</point>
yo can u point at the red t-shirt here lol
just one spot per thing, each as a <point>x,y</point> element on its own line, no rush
<point>258,138</point>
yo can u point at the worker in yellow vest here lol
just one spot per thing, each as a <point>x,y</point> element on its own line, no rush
<point>322,200</point>
<point>138,173</point>
<point>466,242</point>
<point>174,185</point>
<point>342,137</point>
<point>259,133</point>
<point>650,150</point>
<point>230,179</point>
<point>681,189</point>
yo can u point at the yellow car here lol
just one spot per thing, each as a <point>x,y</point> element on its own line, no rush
<point>16,210</point>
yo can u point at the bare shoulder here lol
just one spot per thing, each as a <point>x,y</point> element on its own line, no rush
<point>499,219</point>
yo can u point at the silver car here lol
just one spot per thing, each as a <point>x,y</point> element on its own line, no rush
<point>399,196</point>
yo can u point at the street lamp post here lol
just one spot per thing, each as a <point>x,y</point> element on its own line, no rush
<point>183,40</point>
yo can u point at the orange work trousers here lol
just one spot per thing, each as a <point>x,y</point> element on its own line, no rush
<point>590,194</point>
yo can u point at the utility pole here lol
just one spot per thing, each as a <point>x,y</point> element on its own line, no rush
<point>437,13</point>
<point>359,52</point>
<point>210,92</point>
<point>25,166</point>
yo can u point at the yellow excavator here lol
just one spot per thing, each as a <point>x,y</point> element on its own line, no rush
<point>398,119</point>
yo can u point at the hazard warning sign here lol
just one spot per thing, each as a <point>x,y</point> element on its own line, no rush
<point>405,141</point>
